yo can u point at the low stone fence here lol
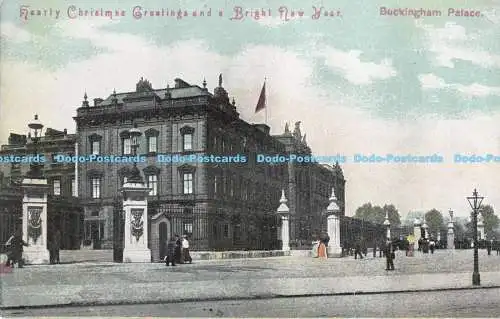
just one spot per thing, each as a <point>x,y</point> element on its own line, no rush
<point>212,255</point>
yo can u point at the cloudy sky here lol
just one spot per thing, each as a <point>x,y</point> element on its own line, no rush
<point>359,83</point>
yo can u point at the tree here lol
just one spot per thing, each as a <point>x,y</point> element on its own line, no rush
<point>376,214</point>
<point>434,220</point>
<point>393,214</point>
<point>369,213</point>
<point>490,220</point>
<point>460,231</point>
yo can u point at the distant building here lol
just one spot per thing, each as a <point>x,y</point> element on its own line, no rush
<point>411,216</point>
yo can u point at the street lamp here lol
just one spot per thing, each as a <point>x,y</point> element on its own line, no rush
<point>35,135</point>
<point>135,174</point>
<point>475,203</point>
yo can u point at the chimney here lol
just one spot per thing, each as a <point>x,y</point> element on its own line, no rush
<point>97,101</point>
<point>263,127</point>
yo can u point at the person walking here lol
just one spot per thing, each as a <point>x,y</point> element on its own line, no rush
<point>357,250</point>
<point>170,257</point>
<point>178,250</point>
<point>16,250</point>
<point>185,250</point>
<point>432,245</point>
<point>389,255</point>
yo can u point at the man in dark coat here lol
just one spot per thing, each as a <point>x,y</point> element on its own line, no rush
<point>357,249</point>
<point>389,255</point>
<point>55,246</point>
<point>170,257</point>
<point>178,250</point>
<point>16,249</point>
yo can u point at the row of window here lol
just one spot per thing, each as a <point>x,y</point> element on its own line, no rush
<point>151,182</point>
<point>152,144</point>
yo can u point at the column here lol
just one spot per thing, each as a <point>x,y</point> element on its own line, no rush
<point>387,224</point>
<point>333,224</point>
<point>35,220</point>
<point>416,232</point>
<point>284,212</point>
<point>426,229</point>
<point>480,227</point>
<point>135,205</point>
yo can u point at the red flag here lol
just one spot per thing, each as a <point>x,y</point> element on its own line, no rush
<point>261,104</point>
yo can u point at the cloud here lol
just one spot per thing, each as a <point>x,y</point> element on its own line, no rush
<point>452,42</point>
<point>353,69</point>
<point>431,81</point>
<point>15,34</point>
<point>334,123</point>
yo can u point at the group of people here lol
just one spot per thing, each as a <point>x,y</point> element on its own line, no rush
<point>319,246</point>
<point>178,251</point>
<point>321,243</point>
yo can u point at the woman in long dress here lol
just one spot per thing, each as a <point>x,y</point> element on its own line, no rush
<point>322,250</point>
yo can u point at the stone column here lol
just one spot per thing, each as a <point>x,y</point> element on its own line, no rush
<point>135,205</point>
<point>284,212</point>
<point>416,232</point>
<point>426,229</point>
<point>450,238</point>
<point>333,224</point>
<point>35,220</point>
<point>480,227</point>
<point>387,224</point>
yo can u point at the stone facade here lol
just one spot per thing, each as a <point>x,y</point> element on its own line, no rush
<point>186,120</point>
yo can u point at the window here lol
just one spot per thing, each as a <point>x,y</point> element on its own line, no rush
<point>95,148</point>
<point>57,187</point>
<point>153,184</point>
<point>74,191</point>
<point>215,185</point>
<point>231,186</point>
<point>187,142</point>
<point>101,230</point>
<point>152,144</point>
<point>188,228</point>
<point>226,230</point>
<point>187,179</point>
<point>95,213</point>
<point>96,187</point>
<point>187,138</point>
<point>126,146</point>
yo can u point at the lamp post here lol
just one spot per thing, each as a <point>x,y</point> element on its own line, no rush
<point>35,135</point>
<point>475,202</point>
<point>135,174</point>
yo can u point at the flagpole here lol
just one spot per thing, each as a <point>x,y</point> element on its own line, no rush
<point>265,101</point>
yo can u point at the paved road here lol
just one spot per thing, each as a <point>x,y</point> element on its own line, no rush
<point>281,276</point>
<point>473,303</point>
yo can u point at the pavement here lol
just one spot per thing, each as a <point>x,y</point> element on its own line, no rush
<point>291,276</point>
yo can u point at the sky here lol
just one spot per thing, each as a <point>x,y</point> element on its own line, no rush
<point>359,82</point>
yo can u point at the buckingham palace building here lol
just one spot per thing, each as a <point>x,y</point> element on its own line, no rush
<point>199,160</point>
